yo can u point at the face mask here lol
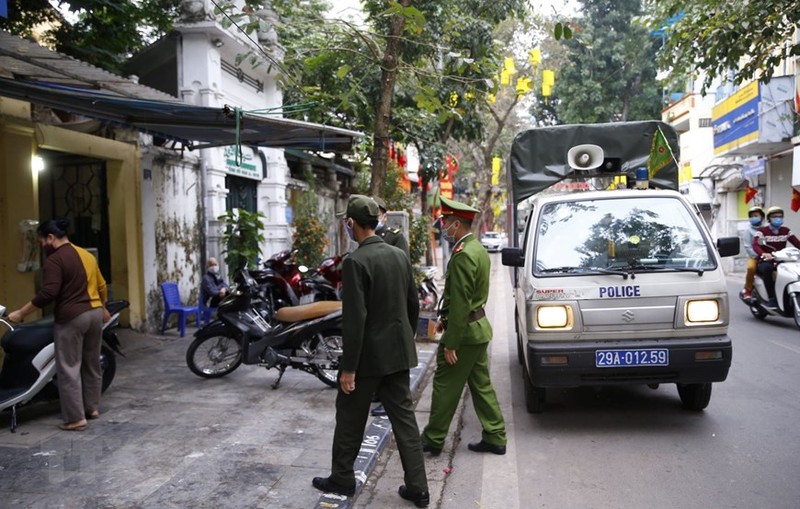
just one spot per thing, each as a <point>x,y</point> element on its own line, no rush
<point>350,232</point>
<point>214,269</point>
<point>449,237</point>
<point>776,221</point>
<point>755,221</point>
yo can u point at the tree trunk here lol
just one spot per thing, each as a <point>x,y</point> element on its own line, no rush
<point>383,111</point>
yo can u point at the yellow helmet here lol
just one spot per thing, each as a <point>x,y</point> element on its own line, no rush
<point>755,209</point>
<point>773,210</point>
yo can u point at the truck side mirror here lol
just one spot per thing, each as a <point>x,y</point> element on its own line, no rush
<point>513,257</point>
<point>728,246</point>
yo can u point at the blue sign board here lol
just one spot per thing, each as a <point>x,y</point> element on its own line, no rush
<point>735,119</point>
<point>4,8</point>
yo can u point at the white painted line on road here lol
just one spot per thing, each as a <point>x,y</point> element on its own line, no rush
<point>500,472</point>
<point>788,346</point>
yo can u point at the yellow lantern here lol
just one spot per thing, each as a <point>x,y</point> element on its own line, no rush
<point>453,99</point>
<point>505,77</point>
<point>524,85</point>
<point>509,65</point>
<point>548,77</point>
<point>546,90</point>
<point>535,57</point>
<point>496,163</point>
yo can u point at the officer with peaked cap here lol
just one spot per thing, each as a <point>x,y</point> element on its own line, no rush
<point>392,236</point>
<point>379,317</point>
<point>462,357</point>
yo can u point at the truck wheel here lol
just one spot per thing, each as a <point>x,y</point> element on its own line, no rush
<point>695,396</point>
<point>534,396</point>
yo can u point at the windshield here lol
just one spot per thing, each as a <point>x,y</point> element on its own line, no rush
<point>591,236</point>
<point>491,235</point>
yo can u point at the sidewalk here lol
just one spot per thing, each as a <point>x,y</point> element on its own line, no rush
<point>169,439</point>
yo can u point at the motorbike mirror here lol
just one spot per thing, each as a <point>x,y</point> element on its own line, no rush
<point>2,310</point>
<point>302,269</point>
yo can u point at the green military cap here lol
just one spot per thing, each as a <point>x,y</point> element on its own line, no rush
<point>458,209</point>
<point>362,208</point>
<point>381,203</point>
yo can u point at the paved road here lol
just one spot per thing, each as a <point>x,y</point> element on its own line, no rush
<point>635,447</point>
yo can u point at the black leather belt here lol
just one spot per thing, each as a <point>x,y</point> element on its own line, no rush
<point>476,315</point>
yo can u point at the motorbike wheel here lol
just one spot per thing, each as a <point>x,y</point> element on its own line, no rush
<point>108,366</point>
<point>327,349</point>
<point>213,355</point>
<point>796,308</point>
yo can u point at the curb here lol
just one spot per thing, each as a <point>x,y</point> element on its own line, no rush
<point>376,437</point>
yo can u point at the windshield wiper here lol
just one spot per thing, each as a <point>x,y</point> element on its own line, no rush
<point>583,270</point>
<point>655,268</point>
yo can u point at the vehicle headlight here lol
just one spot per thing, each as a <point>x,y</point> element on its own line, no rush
<point>554,317</point>
<point>702,311</point>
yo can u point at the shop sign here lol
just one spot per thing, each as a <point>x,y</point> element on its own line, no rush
<point>753,168</point>
<point>251,164</point>
<point>735,119</point>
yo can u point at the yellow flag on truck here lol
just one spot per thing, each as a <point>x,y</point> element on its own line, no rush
<point>660,153</point>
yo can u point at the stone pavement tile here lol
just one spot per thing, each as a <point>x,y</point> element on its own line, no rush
<point>293,490</point>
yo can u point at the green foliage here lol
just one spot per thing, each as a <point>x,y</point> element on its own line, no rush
<point>419,238</point>
<point>611,74</point>
<point>242,237</point>
<point>393,194</point>
<point>105,33</point>
<point>750,39</point>
<point>309,239</point>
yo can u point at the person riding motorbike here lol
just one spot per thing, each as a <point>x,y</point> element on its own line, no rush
<point>756,218</point>
<point>768,239</point>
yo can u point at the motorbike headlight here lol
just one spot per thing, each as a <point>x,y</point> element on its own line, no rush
<point>701,311</point>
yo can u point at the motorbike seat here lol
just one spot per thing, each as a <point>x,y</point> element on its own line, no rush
<point>28,338</point>
<point>307,311</point>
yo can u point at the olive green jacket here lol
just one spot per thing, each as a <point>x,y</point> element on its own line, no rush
<point>380,309</point>
<point>466,289</point>
<point>393,237</point>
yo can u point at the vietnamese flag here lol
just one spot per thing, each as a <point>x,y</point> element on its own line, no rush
<point>750,193</point>
<point>795,205</point>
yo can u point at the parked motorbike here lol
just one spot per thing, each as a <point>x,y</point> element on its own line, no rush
<point>426,289</point>
<point>307,337</point>
<point>325,283</point>
<point>787,288</point>
<point>29,368</point>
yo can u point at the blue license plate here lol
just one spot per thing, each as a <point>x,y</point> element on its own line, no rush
<point>630,358</point>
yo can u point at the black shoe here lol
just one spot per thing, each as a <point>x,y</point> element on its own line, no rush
<point>378,411</point>
<point>419,499</point>
<point>325,484</point>
<point>435,451</point>
<point>487,447</point>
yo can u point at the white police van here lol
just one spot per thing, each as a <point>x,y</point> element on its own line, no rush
<point>617,280</point>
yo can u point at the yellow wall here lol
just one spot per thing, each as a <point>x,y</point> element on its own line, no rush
<point>19,139</point>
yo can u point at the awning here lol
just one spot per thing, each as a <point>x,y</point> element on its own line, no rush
<point>194,126</point>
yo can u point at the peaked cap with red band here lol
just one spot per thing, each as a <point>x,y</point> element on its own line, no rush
<point>458,209</point>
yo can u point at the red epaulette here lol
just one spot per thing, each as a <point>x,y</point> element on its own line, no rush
<point>458,248</point>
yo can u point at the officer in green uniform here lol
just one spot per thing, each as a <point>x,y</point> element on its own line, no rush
<point>392,236</point>
<point>379,316</point>
<point>462,357</point>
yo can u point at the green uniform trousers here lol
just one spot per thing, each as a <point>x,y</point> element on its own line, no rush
<point>472,368</point>
<point>352,412</point>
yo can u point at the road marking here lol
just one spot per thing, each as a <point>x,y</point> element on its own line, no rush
<point>789,347</point>
<point>505,485</point>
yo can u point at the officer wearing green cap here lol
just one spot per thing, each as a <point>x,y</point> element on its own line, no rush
<point>379,316</point>
<point>392,236</point>
<point>462,357</point>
